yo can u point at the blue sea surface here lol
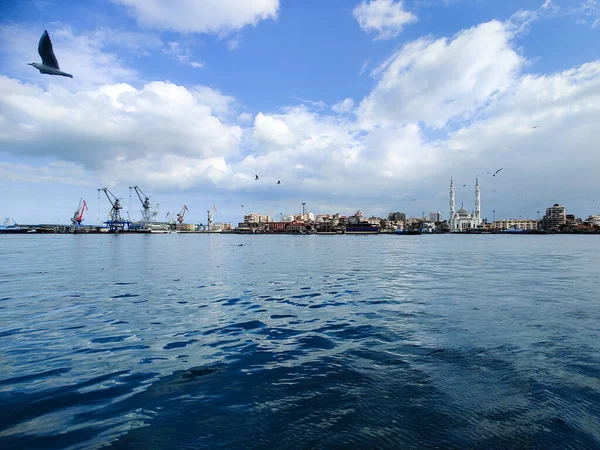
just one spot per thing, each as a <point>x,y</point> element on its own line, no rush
<point>192,341</point>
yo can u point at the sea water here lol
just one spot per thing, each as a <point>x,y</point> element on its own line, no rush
<point>233,341</point>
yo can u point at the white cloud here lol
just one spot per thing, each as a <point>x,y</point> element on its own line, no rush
<point>158,126</point>
<point>345,105</point>
<point>221,105</point>
<point>245,117</point>
<point>273,131</point>
<point>435,81</point>
<point>385,17</point>
<point>182,55</point>
<point>317,104</point>
<point>207,16</point>
<point>233,44</point>
<point>363,68</point>
<point>588,12</point>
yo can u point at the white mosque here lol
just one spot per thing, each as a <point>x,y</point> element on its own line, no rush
<point>461,220</point>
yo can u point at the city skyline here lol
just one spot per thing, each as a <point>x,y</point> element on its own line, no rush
<point>376,103</point>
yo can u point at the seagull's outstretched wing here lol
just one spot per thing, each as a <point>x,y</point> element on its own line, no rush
<point>46,52</point>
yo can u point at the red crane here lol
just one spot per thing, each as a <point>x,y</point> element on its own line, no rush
<point>78,215</point>
<point>181,214</point>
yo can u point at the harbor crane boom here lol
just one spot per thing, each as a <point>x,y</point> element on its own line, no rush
<point>115,212</point>
<point>78,215</point>
<point>147,215</point>
<point>211,212</point>
<point>181,214</point>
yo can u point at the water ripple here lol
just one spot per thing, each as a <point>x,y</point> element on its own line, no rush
<point>437,342</point>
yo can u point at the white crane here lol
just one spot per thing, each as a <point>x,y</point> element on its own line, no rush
<point>211,212</point>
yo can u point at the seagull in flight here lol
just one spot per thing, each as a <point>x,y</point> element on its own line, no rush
<point>255,177</point>
<point>278,182</point>
<point>49,63</point>
<point>535,126</point>
<point>242,206</point>
<point>502,168</point>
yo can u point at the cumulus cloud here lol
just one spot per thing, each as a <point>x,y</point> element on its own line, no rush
<point>345,105</point>
<point>385,17</point>
<point>161,124</point>
<point>434,81</point>
<point>564,106</point>
<point>208,16</point>
<point>272,131</point>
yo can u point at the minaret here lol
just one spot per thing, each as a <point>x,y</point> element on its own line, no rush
<point>451,203</point>
<point>477,202</point>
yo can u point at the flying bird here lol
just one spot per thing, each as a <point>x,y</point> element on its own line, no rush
<point>49,63</point>
<point>255,177</point>
<point>464,185</point>
<point>242,206</point>
<point>498,171</point>
<point>535,126</point>
<point>278,182</point>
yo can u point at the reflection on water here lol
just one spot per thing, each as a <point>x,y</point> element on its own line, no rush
<point>191,341</point>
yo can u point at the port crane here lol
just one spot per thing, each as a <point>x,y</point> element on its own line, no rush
<point>170,218</point>
<point>211,212</point>
<point>147,215</point>
<point>181,214</point>
<point>78,215</point>
<point>115,221</point>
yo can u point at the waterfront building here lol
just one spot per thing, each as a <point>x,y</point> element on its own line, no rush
<point>297,227</point>
<point>461,220</point>
<point>594,219</point>
<point>435,217</point>
<point>277,227</point>
<point>572,220</point>
<point>257,218</point>
<point>555,217</point>
<point>374,221</point>
<point>517,224</point>
<point>397,217</point>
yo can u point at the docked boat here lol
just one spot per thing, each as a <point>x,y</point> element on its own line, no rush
<point>362,228</point>
<point>408,232</point>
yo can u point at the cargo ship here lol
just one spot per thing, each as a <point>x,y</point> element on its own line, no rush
<point>362,228</point>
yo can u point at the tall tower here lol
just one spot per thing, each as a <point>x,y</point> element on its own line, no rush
<point>451,203</point>
<point>477,203</point>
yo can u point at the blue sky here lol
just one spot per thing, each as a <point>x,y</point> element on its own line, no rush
<point>191,100</point>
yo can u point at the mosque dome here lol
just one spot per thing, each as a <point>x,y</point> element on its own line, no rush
<point>463,212</point>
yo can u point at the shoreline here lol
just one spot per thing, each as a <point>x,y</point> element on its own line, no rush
<point>34,231</point>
